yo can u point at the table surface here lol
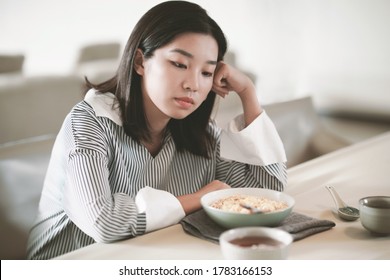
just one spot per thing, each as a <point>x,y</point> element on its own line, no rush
<point>356,171</point>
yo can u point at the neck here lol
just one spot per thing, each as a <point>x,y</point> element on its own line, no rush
<point>157,121</point>
<point>155,142</point>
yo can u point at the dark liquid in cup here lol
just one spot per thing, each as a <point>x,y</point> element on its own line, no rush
<point>250,241</point>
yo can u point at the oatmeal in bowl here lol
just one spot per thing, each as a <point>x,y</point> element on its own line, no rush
<point>248,204</point>
<point>242,207</point>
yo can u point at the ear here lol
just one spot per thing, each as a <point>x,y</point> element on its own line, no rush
<point>139,62</point>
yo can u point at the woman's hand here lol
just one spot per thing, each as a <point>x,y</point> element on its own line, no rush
<point>228,78</point>
<point>191,202</point>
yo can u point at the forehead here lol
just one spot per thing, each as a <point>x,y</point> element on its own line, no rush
<point>200,46</point>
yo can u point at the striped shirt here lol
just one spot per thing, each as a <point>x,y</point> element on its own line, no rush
<point>102,186</point>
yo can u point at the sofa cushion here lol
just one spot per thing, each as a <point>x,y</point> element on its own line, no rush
<point>23,166</point>
<point>35,106</point>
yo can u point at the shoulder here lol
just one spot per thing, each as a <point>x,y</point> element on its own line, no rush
<point>104,105</point>
<point>87,128</point>
<point>96,109</point>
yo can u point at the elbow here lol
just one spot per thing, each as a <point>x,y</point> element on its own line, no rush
<point>109,231</point>
<point>104,236</point>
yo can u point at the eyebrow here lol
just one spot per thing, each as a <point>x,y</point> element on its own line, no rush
<point>187,54</point>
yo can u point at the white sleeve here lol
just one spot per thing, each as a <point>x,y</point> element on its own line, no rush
<point>257,144</point>
<point>162,209</point>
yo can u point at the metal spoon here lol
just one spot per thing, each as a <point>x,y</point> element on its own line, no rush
<point>252,210</point>
<point>344,211</point>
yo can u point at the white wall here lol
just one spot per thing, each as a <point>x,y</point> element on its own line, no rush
<point>335,50</point>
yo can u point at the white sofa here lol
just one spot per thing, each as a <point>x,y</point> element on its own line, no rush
<point>31,113</point>
<point>303,134</point>
<point>35,106</point>
<point>22,170</point>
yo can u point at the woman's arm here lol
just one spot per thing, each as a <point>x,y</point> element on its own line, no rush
<point>228,78</point>
<point>191,202</point>
<point>253,149</point>
<point>88,199</point>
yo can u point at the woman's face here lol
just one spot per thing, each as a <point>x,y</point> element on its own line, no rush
<point>178,77</point>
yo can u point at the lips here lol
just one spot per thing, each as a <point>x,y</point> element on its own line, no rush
<point>185,102</point>
<point>186,99</point>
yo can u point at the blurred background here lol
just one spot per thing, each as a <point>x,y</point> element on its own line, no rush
<point>333,50</point>
<point>295,46</point>
<point>321,69</point>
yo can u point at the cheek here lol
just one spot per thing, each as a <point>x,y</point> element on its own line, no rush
<point>206,88</point>
<point>155,79</point>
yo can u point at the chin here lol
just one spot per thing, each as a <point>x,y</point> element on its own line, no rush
<point>180,116</point>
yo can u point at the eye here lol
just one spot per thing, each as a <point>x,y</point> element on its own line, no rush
<point>178,65</point>
<point>207,74</point>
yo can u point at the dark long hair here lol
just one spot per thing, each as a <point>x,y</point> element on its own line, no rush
<point>158,27</point>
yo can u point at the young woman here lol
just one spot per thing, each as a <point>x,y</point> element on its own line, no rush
<point>138,153</point>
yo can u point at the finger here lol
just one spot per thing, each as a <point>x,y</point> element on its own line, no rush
<point>221,91</point>
<point>221,75</point>
<point>220,83</point>
<point>226,186</point>
<point>220,80</point>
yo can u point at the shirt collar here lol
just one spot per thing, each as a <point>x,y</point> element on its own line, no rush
<point>104,105</point>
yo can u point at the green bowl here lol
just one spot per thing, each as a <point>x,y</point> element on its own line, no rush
<point>233,220</point>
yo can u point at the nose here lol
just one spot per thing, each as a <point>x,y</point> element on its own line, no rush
<point>191,82</point>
